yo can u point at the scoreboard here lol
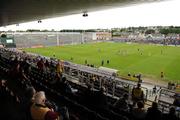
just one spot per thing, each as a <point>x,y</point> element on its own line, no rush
<point>8,42</point>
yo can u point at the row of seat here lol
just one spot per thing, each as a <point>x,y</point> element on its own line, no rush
<point>9,102</point>
<point>42,83</point>
<point>58,97</point>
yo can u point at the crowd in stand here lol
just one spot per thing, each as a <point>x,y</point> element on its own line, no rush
<point>23,68</point>
<point>163,41</point>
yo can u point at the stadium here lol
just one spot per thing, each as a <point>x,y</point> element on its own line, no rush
<point>128,73</point>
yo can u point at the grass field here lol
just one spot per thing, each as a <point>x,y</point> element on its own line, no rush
<point>149,60</point>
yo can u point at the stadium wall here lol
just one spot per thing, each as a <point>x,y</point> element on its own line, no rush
<point>42,39</point>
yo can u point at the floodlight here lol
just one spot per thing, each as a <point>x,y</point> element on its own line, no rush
<point>85,14</point>
<point>39,21</point>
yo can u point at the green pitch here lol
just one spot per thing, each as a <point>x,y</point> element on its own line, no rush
<point>149,60</point>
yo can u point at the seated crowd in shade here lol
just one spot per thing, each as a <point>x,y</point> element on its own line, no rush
<point>31,96</point>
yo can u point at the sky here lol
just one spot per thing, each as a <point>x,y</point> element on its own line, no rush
<point>164,13</point>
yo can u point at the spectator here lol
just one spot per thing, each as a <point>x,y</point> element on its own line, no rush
<point>15,61</point>
<point>154,113</point>
<point>87,95</point>
<point>59,67</point>
<point>137,94</point>
<point>25,82</point>
<point>56,80</point>
<point>171,115</point>
<point>52,66</point>
<point>2,83</point>
<point>40,65</point>
<point>65,86</point>
<point>47,65</point>
<point>28,101</point>
<point>176,100</point>
<point>15,71</point>
<point>39,111</point>
<point>21,75</point>
<point>25,65</point>
<point>100,99</point>
<point>139,113</point>
<point>154,90</point>
<point>122,103</point>
<point>29,95</point>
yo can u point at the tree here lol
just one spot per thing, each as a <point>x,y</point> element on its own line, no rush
<point>164,31</point>
<point>32,30</point>
<point>150,31</point>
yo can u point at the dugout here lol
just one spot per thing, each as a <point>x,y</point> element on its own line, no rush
<point>108,71</point>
